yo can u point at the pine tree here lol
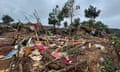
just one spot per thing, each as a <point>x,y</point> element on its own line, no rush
<point>92,12</point>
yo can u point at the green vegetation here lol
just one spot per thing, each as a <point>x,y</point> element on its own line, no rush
<point>92,12</point>
<point>107,66</point>
<point>116,32</point>
<point>7,19</point>
<point>53,17</point>
<point>75,25</point>
<point>65,24</point>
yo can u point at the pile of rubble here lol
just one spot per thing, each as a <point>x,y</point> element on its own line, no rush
<point>53,53</point>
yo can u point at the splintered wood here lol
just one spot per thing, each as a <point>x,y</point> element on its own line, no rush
<point>63,54</point>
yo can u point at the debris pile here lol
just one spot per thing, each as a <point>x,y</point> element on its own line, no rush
<point>30,52</point>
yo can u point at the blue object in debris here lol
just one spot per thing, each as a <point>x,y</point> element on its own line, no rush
<point>10,54</point>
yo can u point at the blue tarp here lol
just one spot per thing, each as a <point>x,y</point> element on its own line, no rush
<point>10,54</point>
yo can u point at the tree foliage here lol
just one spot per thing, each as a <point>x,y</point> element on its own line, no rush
<point>53,17</point>
<point>96,25</point>
<point>116,32</point>
<point>100,26</point>
<point>65,24</point>
<point>63,13</point>
<point>67,9</point>
<point>88,23</point>
<point>76,23</point>
<point>92,12</point>
<point>7,19</point>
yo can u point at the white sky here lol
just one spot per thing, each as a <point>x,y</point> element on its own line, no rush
<point>110,9</point>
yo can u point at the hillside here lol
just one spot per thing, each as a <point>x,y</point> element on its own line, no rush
<point>115,31</point>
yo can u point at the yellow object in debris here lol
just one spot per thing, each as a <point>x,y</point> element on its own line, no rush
<point>2,70</point>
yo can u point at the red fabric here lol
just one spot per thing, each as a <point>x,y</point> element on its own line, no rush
<point>55,55</point>
<point>41,47</point>
<point>67,61</point>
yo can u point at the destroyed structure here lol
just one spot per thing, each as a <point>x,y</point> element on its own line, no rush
<point>23,50</point>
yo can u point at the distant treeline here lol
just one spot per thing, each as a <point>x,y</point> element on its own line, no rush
<point>115,32</point>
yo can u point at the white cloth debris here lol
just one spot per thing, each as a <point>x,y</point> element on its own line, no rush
<point>35,55</point>
<point>83,47</point>
<point>99,46</point>
<point>52,45</point>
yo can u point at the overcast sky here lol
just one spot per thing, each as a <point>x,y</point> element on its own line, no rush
<point>17,9</point>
